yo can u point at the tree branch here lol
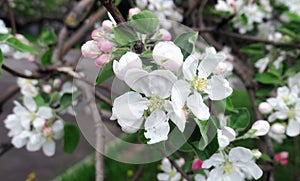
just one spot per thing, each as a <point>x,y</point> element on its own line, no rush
<point>18,74</point>
<point>11,17</point>
<point>114,11</point>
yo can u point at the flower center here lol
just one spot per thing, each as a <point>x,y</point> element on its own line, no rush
<point>172,173</point>
<point>291,114</point>
<point>156,103</point>
<point>200,84</point>
<point>285,99</point>
<point>228,167</point>
<point>32,116</point>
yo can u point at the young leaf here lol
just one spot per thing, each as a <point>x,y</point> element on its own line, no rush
<point>253,49</point>
<point>18,45</point>
<point>1,62</point>
<point>105,73</point>
<point>239,121</point>
<point>46,58</point>
<point>71,137</point>
<point>145,22</point>
<point>48,37</point>
<point>267,78</point>
<point>123,36</point>
<point>66,100</point>
<point>186,42</point>
<point>208,129</point>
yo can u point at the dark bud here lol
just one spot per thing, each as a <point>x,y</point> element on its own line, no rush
<point>138,47</point>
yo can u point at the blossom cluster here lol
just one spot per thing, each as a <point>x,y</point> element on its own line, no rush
<point>35,123</point>
<point>164,9</point>
<point>283,110</point>
<point>172,92</point>
<point>10,51</point>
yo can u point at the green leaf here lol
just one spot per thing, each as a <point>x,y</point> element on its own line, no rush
<point>124,36</point>
<point>18,45</point>
<point>1,62</point>
<point>65,100</point>
<point>266,157</point>
<point>39,101</point>
<point>239,121</point>
<point>186,42</point>
<point>3,36</point>
<point>254,49</point>
<point>229,106</point>
<point>243,19</point>
<point>267,78</point>
<point>210,149</point>
<point>105,73</point>
<point>46,58</point>
<point>105,106</point>
<point>145,22</point>
<point>208,130</point>
<point>71,137</point>
<point>288,32</point>
<point>48,36</point>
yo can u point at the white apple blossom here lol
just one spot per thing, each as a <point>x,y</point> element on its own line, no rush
<point>168,55</point>
<point>170,172</point>
<point>277,132</point>
<point>3,28</point>
<point>294,81</point>
<point>262,64</point>
<point>130,107</point>
<point>199,177</point>
<point>31,113</point>
<point>198,80</point>
<point>239,164</point>
<point>265,108</point>
<point>28,86</point>
<point>128,61</point>
<point>228,5</point>
<point>225,133</point>
<point>163,9</point>
<point>287,107</point>
<point>260,128</point>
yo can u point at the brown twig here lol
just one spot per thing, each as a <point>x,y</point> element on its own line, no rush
<point>11,17</point>
<point>18,74</point>
<point>138,173</point>
<point>5,147</point>
<point>103,98</point>
<point>114,11</point>
<point>249,38</point>
<point>83,30</point>
<point>99,125</point>
<point>184,175</point>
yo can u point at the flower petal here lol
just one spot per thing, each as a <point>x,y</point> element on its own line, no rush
<point>157,127</point>
<point>180,92</point>
<point>163,177</point>
<point>130,126</point>
<point>209,62</point>
<point>240,154</point>
<point>29,103</point>
<point>196,105</point>
<point>215,160</point>
<point>129,106</point>
<point>176,114</point>
<point>189,66</point>
<point>45,112</point>
<point>293,128</point>
<point>49,148</point>
<point>218,88</point>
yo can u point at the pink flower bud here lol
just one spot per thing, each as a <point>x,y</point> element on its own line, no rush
<point>105,45</point>
<point>47,88</point>
<point>47,132</point>
<point>197,164</point>
<point>97,34</point>
<point>265,108</point>
<point>107,25</point>
<point>166,35</point>
<point>22,39</point>
<point>180,162</point>
<point>134,11</point>
<point>282,158</point>
<point>262,127</point>
<point>90,49</point>
<point>102,60</point>
<point>30,58</point>
<point>57,82</point>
